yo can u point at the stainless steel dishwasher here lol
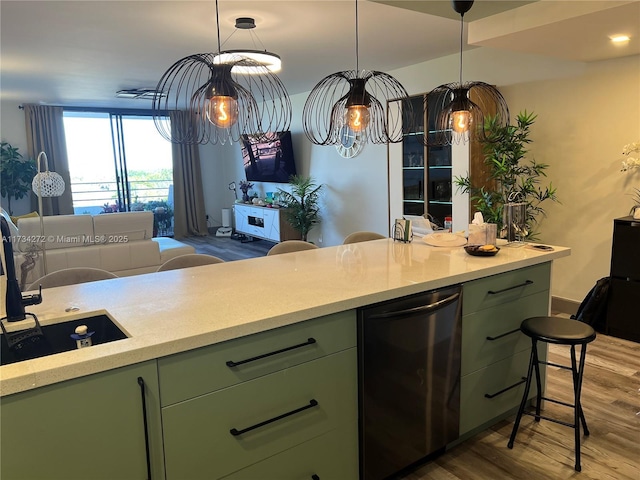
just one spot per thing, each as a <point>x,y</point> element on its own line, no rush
<point>409,379</point>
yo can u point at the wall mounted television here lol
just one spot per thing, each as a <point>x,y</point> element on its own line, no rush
<point>270,161</point>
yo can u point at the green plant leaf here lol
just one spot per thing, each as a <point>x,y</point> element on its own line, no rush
<point>505,152</point>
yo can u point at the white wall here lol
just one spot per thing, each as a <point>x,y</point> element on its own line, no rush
<point>13,131</point>
<point>586,113</point>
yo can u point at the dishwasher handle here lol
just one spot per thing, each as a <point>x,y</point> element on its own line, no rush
<point>421,309</point>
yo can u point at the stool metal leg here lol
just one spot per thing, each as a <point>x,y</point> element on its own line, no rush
<point>536,365</point>
<point>527,387</point>
<point>577,387</point>
<point>583,352</point>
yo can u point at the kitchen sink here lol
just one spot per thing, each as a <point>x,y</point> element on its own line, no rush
<point>56,338</point>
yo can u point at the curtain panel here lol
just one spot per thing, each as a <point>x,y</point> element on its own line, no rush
<point>45,133</point>
<point>190,216</point>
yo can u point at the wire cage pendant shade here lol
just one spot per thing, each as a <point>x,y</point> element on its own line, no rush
<point>460,108</point>
<point>47,183</point>
<point>222,103</point>
<point>351,98</point>
<point>354,99</point>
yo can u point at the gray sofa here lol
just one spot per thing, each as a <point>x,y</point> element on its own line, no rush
<point>121,243</point>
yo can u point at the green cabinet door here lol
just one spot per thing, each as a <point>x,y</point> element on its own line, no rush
<point>88,428</point>
<point>332,456</point>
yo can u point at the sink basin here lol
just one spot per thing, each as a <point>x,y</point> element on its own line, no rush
<point>56,338</point>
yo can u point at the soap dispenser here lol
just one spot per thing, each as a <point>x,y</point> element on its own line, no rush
<point>82,336</point>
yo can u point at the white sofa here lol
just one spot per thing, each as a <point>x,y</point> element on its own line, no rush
<point>121,243</point>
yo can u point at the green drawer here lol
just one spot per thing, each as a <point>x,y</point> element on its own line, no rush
<point>480,345</point>
<point>333,456</point>
<point>198,442</point>
<point>506,287</point>
<point>197,372</point>
<point>475,408</point>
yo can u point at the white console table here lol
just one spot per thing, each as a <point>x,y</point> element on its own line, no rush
<point>263,222</point>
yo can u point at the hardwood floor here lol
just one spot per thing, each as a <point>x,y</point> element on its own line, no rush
<point>611,404</point>
<point>227,248</point>
<point>610,399</point>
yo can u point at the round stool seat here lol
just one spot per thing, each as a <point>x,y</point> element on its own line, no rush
<point>563,331</point>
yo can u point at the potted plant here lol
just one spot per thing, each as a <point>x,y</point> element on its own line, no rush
<point>516,178</point>
<point>301,203</point>
<point>16,174</point>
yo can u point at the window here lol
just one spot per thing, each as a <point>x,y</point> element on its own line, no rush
<point>119,162</point>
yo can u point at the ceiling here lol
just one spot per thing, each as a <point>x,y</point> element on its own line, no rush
<point>80,53</point>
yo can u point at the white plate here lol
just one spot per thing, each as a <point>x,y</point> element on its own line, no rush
<point>444,240</point>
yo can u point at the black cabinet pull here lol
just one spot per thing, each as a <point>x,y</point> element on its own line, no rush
<point>235,432</point>
<point>231,363</point>
<point>492,395</point>
<point>503,335</point>
<point>146,426</point>
<point>528,282</point>
<point>315,477</point>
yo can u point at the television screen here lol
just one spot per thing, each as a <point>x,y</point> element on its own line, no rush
<point>270,161</point>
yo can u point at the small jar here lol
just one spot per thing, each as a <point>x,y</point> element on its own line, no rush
<point>448,224</point>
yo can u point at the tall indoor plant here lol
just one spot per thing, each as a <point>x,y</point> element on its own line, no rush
<point>301,204</point>
<point>16,174</point>
<point>516,178</point>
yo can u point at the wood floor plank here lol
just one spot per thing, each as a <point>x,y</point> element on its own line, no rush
<point>228,249</point>
<point>545,450</point>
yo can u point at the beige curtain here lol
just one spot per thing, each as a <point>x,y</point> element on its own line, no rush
<point>190,217</point>
<point>45,133</point>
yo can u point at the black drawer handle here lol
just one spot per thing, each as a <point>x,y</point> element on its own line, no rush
<point>503,335</point>
<point>309,341</point>
<point>528,282</point>
<point>492,395</point>
<point>146,427</point>
<point>236,432</point>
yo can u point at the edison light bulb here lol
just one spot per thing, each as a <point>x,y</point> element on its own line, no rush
<point>357,117</point>
<point>223,111</point>
<point>461,121</point>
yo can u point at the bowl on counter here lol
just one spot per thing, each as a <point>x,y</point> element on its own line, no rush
<point>481,250</point>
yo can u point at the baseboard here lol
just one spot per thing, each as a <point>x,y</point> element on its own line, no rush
<point>564,305</point>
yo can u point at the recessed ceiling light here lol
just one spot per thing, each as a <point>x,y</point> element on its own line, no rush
<point>619,38</point>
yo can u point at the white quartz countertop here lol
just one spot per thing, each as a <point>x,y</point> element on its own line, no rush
<point>173,311</point>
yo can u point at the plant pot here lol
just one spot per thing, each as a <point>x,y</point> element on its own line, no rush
<point>636,213</point>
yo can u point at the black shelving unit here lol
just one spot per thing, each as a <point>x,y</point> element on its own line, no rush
<point>426,171</point>
<point>623,309</point>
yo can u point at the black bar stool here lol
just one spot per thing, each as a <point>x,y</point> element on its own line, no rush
<point>561,331</point>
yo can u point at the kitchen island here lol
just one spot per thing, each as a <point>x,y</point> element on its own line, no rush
<point>178,321</point>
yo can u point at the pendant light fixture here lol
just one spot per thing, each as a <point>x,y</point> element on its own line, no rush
<point>352,102</point>
<point>460,108</point>
<point>223,104</point>
<point>270,60</point>
<point>45,184</point>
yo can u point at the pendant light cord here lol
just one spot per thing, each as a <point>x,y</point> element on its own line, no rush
<point>218,26</point>
<point>461,35</point>
<point>357,62</point>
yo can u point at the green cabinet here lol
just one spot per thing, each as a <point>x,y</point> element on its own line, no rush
<point>329,456</point>
<point>495,354</point>
<point>233,408</point>
<point>87,428</point>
